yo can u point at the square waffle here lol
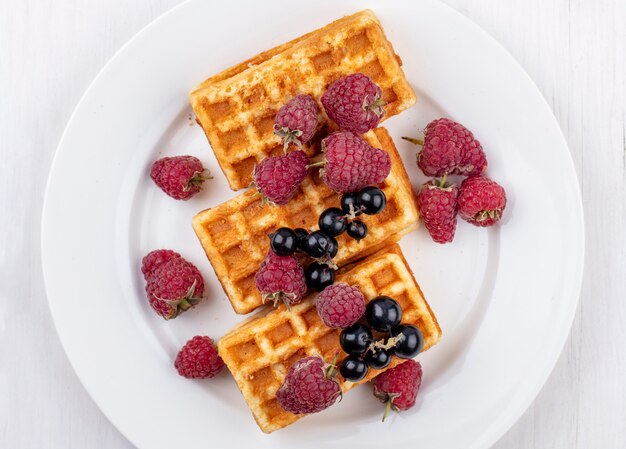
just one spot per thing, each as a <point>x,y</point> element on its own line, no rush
<point>236,108</point>
<point>234,234</point>
<point>259,351</point>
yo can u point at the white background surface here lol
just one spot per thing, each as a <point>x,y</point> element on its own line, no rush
<point>574,50</point>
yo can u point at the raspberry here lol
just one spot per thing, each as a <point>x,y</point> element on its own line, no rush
<point>351,163</point>
<point>181,177</point>
<point>450,148</point>
<point>309,386</point>
<point>173,284</point>
<point>277,178</point>
<point>155,258</point>
<point>437,202</point>
<point>355,103</point>
<point>198,359</point>
<point>398,386</point>
<point>281,278</point>
<point>340,305</point>
<point>297,120</point>
<point>481,201</point>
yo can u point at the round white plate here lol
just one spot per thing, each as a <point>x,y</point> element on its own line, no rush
<point>505,297</point>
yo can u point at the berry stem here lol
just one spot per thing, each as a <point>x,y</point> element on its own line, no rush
<point>442,183</point>
<point>390,398</point>
<point>413,140</point>
<point>316,164</point>
<point>391,342</point>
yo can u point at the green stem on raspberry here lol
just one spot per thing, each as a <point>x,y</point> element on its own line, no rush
<point>413,140</point>
<point>442,184</point>
<point>316,164</point>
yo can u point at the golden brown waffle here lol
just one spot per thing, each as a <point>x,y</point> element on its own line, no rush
<point>234,234</point>
<point>236,108</point>
<point>259,351</point>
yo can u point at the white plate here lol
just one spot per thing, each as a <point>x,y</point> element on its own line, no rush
<point>505,297</point>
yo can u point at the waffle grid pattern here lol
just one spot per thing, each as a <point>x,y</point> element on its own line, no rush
<point>236,109</point>
<point>234,234</point>
<point>260,351</point>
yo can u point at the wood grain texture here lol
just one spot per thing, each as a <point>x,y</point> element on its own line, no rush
<point>575,50</point>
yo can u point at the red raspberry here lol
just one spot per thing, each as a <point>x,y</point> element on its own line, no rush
<point>198,359</point>
<point>481,201</point>
<point>351,163</point>
<point>297,120</point>
<point>181,177</point>
<point>398,386</point>
<point>277,178</point>
<point>355,103</point>
<point>173,284</point>
<point>340,305</point>
<point>436,202</point>
<point>450,148</point>
<point>281,278</point>
<point>309,386</point>
<point>155,258</point>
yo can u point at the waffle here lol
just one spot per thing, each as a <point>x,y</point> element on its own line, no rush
<point>234,234</point>
<point>236,108</point>
<point>259,351</point>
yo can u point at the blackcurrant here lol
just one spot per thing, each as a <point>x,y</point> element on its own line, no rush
<point>355,339</point>
<point>378,358</point>
<point>316,244</point>
<point>333,247</point>
<point>372,200</point>
<point>348,199</point>
<point>319,276</point>
<point>412,342</point>
<point>357,230</point>
<point>301,235</point>
<point>283,241</point>
<point>383,313</point>
<point>353,369</point>
<point>333,221</point>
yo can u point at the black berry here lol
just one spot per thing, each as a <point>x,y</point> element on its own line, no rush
<point>283,241</point>
<point>357,230</point>
<point>316,244</point>
<point>348,199</point>
<point>333,247</point>
<point>412,342</point>
<point>332,221</point>
<point>355,339</point>
<point>319,276</point>
<point>301,235</point>
<point>372,200</point>
<point>353,369</point>
<point>378,358</point>
<point>383,313</point>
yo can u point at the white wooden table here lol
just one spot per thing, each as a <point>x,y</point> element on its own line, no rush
<point>575,50</point>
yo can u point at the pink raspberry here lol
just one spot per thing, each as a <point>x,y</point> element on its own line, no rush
<point>281,278</point>
<point>355,103</point>
<point>181,177</point>
<point>351,163</point>
<point>155,258</point>
<point>173,284</point>
<point>450,148</point>
<point>437,202</point>
<point>277,178</point>
<point>297,120</point>
<point>481,201</point>
<point>309,387</point>
<point>198,359</point>
<point>340,305</point>
<point>398,386</point>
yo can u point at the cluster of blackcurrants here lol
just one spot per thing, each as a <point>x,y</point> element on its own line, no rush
<point>322,245</point>
<point>383,315</point>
